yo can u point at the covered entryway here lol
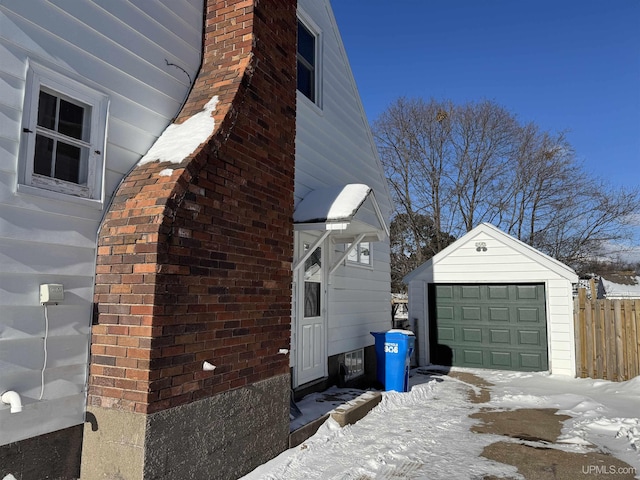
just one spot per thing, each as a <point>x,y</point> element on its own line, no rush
<point>329,223</point>
<point>489,300</point>
<point>501,326</point>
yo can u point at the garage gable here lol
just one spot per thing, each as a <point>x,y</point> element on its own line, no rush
<point>487,254</point>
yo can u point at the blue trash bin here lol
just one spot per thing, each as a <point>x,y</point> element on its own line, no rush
<point>393,353</point>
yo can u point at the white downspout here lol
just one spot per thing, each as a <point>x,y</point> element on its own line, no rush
<point>12,398</point>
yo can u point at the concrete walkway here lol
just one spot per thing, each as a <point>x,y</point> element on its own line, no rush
<point>530,442</point>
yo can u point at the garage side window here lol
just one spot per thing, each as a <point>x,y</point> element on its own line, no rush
<point>63,135</point>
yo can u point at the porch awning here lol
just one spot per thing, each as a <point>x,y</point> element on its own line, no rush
<point>346,211</point>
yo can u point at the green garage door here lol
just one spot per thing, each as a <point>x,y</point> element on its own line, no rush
<point>489,326</point>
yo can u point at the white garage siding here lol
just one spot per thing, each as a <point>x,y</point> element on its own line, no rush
<point>506,261</point>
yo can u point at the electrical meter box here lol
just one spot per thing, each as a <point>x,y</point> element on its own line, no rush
<point>51,292</point>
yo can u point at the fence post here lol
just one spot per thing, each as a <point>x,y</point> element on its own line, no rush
<point>620,354</point>
<point>590,337</point>
<point>578,333</point>
<point>599,346</point>
<point>634,319</point>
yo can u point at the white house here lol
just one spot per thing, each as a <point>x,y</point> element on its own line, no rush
<point>86,90</point>
<point>336,164</point>
<point>490,301</point>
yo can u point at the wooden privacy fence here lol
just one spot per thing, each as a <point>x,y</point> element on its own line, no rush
<point>607,337</point>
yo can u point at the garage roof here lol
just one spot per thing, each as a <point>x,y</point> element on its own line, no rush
<point>486,231</point>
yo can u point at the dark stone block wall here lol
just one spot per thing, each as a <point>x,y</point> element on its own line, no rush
<point>54,455</point>
<point>243,428</point>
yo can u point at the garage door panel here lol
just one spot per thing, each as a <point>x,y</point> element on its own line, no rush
<point>470,292</point>
<point>444,291</point>
<point>471,314</point>
<point>496,292</point>
<point>500,336</point>
<point>531,361</point>
<point>472,335</point>
<point>490,326</point>
<point>445,313</point>
<point>528,315</point>
<point>529,337</point>
<point>499,314</point>
<point>527,292</point>
<point>501,360</point>
<point>447,334</point>
<point>472,357</point>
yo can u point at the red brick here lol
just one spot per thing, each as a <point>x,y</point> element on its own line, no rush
<point>167,280</point>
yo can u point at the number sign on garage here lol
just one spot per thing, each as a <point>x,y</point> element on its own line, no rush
<point>489,326</point>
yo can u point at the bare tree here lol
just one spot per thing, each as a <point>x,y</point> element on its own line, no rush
<point>413,141</point>
<point>461,165</point>
<point>483,142</point>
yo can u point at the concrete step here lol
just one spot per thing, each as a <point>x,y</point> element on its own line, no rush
<point>346,414</point>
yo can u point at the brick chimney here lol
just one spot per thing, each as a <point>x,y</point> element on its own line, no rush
<point>194,265</point>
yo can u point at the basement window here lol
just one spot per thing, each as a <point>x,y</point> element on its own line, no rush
<point>354,364</point>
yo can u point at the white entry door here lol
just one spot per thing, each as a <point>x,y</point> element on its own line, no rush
<point>311,313</point>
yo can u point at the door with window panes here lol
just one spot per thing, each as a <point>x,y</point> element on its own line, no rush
<point>311,326</point>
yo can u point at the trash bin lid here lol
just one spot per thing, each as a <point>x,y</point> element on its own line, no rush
<point>398,330</point>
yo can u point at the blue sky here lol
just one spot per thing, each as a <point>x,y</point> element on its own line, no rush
<point>567,65</point>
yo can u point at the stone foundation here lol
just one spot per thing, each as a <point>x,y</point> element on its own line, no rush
<point>53,455</point>
<point>221,437</point>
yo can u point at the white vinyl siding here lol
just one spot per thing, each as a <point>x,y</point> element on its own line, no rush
<point>334,146</point>
<point>121,50</point>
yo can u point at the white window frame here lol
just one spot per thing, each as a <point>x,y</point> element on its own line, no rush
<point>357,250</point>
<point>96,103</point>
<point>315,30</point>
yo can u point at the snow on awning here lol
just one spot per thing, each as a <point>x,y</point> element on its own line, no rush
<point>348,211</point>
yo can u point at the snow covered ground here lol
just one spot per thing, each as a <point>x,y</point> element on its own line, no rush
<point>425,433</point>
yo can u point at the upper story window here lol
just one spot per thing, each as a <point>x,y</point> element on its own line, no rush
<point>306,62</point>
<point>309,74</point>
<point>360,254</point>
<point>64,127</point>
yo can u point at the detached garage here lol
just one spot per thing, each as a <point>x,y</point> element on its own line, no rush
<point>492,301</point>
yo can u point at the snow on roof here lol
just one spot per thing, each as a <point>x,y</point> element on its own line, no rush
<point>178,141</point>
<point>331,204</point>
<point>612,289</point>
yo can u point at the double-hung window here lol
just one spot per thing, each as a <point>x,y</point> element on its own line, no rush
<point>64,131</point>
<point>308,59</point>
